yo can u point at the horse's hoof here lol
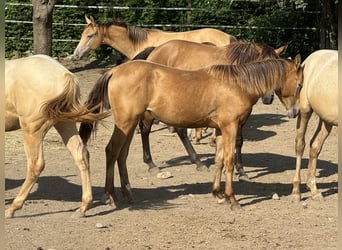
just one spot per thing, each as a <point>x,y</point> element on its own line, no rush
<point>106,200</point>
<point>9,214</point>
<point>202,168</point>
<point>318,197</point>
<point>154,170</point>
<point>242,175</point>
<point>236,207</point>
<point>221,200</point>
<point>244,178</point>
<point>78,214</point>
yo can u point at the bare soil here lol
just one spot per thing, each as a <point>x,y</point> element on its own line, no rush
<point>178,212</point>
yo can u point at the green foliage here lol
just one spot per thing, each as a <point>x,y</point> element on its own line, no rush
<point>264,21</point>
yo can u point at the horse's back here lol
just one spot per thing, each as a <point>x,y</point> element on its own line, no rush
<point>187,54</point>
<point>320,87</point>
<point>30,82</point>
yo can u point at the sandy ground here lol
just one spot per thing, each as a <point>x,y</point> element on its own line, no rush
<point>178,212</point>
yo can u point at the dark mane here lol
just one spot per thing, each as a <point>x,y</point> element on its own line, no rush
<point>245,52</point>
<point>136,35</point>
<point>257,77</point>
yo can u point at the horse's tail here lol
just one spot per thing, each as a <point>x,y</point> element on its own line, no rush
<point>97,100</point>
<point>144,54</point>
<point>67,106</point>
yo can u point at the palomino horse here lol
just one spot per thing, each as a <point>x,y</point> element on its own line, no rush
<point>220,96</point>
<point>130,40</point>
<point>319,95</point>
<point>41,93</point>
<point>192,56</point>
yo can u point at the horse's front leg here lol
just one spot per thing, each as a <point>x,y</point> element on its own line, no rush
<point>181,132</point>
<point>229,140</point>
<point>302,123</point>
<point>238,157</point>
<point>217,192</point>
<point>321,134</point>
<point>145,125</point>
<point>72,140</point>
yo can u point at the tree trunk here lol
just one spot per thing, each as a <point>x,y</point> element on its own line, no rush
<point>328,25</point>
<point>42,26</point>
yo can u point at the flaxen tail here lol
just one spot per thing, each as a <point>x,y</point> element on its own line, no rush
<point>67,106</point>
<point>97,100</point>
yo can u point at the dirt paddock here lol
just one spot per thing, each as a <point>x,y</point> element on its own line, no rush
<point>179,212</point>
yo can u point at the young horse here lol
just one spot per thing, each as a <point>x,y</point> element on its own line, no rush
<point>130,40</point>
<point>41,93</point>
<point>220,96</point>
<point>319,95</point>
<point>191,56</point>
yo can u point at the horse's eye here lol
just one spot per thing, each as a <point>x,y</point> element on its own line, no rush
<point>90,36</point>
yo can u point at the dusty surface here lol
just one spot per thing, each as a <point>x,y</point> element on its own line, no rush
<point>179,212</point>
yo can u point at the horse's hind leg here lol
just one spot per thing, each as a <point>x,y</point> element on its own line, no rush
<point>145,125</point>
<point>122,165</point>
<point>115,149</point>
<point>72,140</point>
<point>181,132</point>
<point>238,157</point>
<point>321,134</point>
<point>33,145</point>
<point>302,124</point>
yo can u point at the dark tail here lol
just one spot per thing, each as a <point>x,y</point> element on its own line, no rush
<point>97,99</point>
<point>144,54</point>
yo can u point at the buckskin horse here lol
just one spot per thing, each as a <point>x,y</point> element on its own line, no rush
<point>219,96</point>
<point>189,55</point>
<point>40,93</point>
<point>130,40</point>
<point>320,96</point>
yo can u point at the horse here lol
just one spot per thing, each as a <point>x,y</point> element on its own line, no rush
<point>40,93</point>
<point>219,96</point>
<point>130,40</point>
<point>191,56</point>
<point>320,96</point>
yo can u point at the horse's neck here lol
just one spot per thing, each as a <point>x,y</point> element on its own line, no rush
<point>117,38</point>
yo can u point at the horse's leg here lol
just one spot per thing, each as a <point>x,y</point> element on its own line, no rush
<point>122,165</point>
<point>33,146</point>
<point>302,124</point>
<point>145,125</point>
<point>198,135</point>
<point>181,132</point>
<point>321,134</point>
<point>238,157</point>
<point>113,149</point>
<point>217,192</point>
<point>229,134</point>
<point>72,140</point>
<point>213,138</point>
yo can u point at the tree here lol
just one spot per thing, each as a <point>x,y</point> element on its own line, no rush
<point>42,26</point>
<point>328,26</point>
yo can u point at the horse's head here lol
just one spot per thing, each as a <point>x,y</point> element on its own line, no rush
<point>289,91</point>
<point>265,51</point>
<point>91,39</point>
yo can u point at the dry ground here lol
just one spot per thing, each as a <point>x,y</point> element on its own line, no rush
<point>179,212</point>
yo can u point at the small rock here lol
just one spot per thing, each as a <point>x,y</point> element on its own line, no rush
<point>275,196</point>
<point>164,175</point>
<point>100,225</point>
<point>231,220</point>
<point>305,205</point>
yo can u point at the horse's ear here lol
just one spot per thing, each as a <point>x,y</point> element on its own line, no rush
<point>90,20</point>
<point>297,59</point>
<point>281,49</point>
